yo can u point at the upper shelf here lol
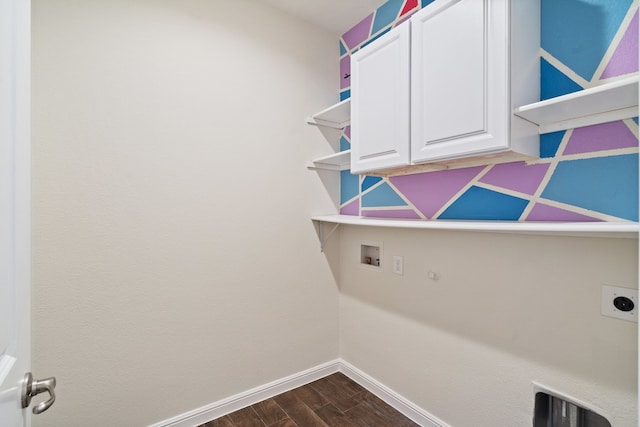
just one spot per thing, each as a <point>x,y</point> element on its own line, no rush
<point>628,230</point>
<point>612,101</point>
<point>337,116</point>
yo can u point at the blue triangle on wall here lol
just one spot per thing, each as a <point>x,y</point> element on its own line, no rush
<point>549,143</point>
<point>370,181</point>
<point>579,32</point>
<point>386,14</point>
<point>383,195</point>
<point>348,186</point>
<point>482,204</point>
<point>344,144</point>
<point>553,82</point>
<point>605,184</point>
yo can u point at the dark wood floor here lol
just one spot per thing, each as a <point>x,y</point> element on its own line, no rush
<point>333,401</point>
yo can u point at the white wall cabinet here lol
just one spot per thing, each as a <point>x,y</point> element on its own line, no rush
<point>380,95</point>
<point>469,63</point>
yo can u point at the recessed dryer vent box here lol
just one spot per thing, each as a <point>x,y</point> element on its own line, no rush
<point>555,410</point>
<point>371,255</point>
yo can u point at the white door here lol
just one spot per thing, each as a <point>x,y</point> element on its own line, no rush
<point>380,102</point>
<point>14,209</point>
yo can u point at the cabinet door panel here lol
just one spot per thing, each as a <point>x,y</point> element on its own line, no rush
<point>380,103</point>
<point>452,94</point>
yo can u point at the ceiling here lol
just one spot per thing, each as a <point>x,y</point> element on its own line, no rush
<point>336,16</point>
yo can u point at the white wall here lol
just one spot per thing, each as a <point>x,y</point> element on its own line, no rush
<point>506,311</point>
<point>174,262</point>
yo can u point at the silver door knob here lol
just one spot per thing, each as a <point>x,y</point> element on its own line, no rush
<point>31,387</point>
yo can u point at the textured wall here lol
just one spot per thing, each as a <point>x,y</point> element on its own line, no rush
<point>171,267</point>
<point>585,174</point>
<point>504,312</point>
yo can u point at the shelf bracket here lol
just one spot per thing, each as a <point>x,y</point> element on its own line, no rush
<point>324,239</point>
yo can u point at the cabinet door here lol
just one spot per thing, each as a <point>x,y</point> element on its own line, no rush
<point>380,102</point>
<point>459,80</point>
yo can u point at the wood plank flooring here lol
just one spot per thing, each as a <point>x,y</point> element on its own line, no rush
<point>333,401</point>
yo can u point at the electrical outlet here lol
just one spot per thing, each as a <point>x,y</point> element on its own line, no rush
<point>398,265</point>
<point>621,303</point>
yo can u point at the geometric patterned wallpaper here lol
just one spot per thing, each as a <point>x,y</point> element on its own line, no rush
<point>584,174</point>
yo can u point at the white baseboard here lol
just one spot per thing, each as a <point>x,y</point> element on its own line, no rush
<point>398,402</point>
<point>242,400</point>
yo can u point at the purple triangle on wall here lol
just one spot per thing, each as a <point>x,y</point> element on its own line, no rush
<point>605,136</point>
<point>352,208</point>
<point>517,176</point>
<point>542,212</point>
<point>359,33</point>
<point>625,57</point>
<point>430,191</point>
<point>345,72</point>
